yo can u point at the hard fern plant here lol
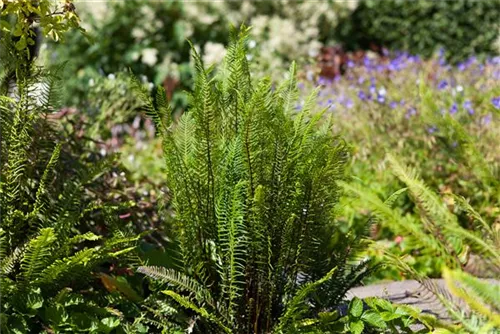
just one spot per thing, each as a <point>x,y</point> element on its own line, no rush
<point>49,256</point>
<point>254,189</point>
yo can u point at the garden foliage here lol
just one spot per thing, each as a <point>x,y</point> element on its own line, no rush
<point>462,27</point>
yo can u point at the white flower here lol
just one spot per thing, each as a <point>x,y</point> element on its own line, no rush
<point>214,53</point>
<point>149,56</point>
<point>460,89</point>
<point>111,76</point>
<point>138,33</point>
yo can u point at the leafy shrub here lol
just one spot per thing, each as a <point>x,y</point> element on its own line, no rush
<point>254,193</point>
<point>463,28</point>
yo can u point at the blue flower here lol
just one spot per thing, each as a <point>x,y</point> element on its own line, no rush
<point>432,129</point>
<point>462,67</point>
<point>362,95</point>
<point>349,104</point>
<point>322,81</point>
<point>373,89</point>
<point>442,84</point>
<point>496,102</point>
<point>486,119</point>
<point>453,109</point>
<point>468,106</point>
<point>411,112</point>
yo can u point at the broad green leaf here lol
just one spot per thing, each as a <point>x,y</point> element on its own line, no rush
<point>357,327</point>
<point>356,307</point>
<point>4,25</point>
<point>373,319</point>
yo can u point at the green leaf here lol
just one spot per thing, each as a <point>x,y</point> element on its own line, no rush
<point>110,322</point>
<point>374,319</point>
<point>357,327</point>
<point>4,25</point>
<point>389,316</point>
<point>356,307</point>
<point>22,43</point>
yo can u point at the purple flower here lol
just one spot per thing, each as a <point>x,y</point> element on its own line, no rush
<point>322,81</point>
<point>496,102</point>
<point>432,129</point>
<point>350,64</point>
<point>367,62</point>
<point>442,84</point>
<point>453,109</point>
<point>373,89</point>
<point>349,104</point>
<point>380,99</point>
<point>362,95</point>
<point>411,112</point>
<point>361,80</point>
<point>468,106</point>
<point>393,104</point>
<point>300,85</point>
<point>298,107</point>
<point>486,119</point>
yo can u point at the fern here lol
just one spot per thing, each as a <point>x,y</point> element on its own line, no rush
<point>254,189</point>
<point>46,246</point>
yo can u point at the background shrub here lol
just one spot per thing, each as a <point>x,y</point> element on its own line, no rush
<point>462,27</point>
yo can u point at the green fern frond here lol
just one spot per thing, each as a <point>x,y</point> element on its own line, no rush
<point>294,309</point>
<point>481,296</point>
<point>38,254</point>
<point>188,304</point>
<point>179,280</point>
<point>42,186</point>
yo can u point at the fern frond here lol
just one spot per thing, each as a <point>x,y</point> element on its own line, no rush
<point>179,280</point>
<point>481,296</point>
<point>295,307</point>
<point>37,254</point>
<point>42,186</point>
<point>188,304</point>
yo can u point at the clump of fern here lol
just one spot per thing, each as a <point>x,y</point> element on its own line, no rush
<point>50,254</point>
<point>254,189</point>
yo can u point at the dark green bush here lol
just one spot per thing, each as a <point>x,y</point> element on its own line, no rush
<point>462,27</point>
